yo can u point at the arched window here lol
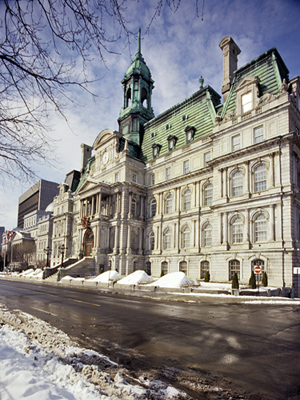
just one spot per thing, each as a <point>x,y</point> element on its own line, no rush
<point>167,239</point>
<point>151,241</point>
<point>168,204</point>
<point>260,228</point>
<point>208,194</point>
<point>186,237</point>
<point>204,266</point>
<point>152,208</point>
<point>164,268</point>
<point>260,178</point>
<point>144,98</point>
<point>237,183</point>
<point>237,230</point>
<point>128,98</point>
<point>187,200</point>
<point>183,267</point>
<point>234,267</point>
<point>207,235</point>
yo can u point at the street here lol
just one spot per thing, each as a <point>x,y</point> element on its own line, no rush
<point>254,346</point>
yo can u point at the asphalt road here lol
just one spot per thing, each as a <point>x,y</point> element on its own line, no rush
<point>255,346</point>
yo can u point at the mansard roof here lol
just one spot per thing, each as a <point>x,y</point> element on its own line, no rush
<point>197,112</point>
<point>269,70</point>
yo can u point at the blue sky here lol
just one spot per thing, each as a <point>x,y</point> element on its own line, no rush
<point>178,48</point>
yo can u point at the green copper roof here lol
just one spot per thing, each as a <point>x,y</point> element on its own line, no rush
<point>269,68</point>
<point>196,112</point>
<point>138,64</point>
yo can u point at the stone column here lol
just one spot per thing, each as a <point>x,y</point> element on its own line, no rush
<point>116,244</point>
<point>128,250</point>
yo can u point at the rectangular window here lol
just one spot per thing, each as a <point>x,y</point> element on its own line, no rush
<point>207,158</point>
<point>168,173</point>
<point>152,179</point>
<point>258,134</point>
<point>236,142</point>
<point>186,167</point>
<point>134,178</point>
<point>246,102</point>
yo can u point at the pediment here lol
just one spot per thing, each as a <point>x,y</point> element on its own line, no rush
<point>88,184</point>
<point>248,81</point>
<point>104,137</point>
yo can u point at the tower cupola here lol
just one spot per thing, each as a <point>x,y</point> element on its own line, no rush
<point>137,91</point>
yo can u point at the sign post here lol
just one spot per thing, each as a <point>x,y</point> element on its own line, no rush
<point>257,271</point>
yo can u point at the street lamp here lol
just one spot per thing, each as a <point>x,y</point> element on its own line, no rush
<point>62,250</point>
<point>47,250</point>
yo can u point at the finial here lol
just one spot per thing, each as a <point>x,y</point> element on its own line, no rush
<point>201,80</point>
<point>139,42</point>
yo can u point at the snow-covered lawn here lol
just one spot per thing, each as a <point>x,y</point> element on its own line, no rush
<point>39,362</point>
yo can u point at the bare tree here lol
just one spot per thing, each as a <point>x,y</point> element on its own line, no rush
<point>41,42</point>
<point>40,39</point>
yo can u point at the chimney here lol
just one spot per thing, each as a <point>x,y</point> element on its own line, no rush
<point>86,153</point>
<point>230,53</point>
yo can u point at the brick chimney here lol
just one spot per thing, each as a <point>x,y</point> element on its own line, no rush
<point>230,59</point>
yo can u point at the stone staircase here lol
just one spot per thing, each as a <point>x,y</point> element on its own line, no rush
<point>84,267</point>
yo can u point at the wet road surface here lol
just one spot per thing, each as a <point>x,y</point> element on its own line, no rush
<point>255,346</point>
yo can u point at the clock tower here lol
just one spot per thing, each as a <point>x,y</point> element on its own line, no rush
<point>137,90</point>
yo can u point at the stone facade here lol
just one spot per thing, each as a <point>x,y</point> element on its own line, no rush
<point>206,186</point>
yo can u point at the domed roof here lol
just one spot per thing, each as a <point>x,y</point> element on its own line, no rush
<point>50,207</point>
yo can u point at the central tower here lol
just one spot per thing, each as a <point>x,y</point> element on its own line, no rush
<point>137,90</point>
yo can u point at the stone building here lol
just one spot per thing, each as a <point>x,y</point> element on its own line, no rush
<point>210,184</point>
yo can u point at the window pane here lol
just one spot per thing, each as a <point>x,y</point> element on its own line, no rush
<point>169,204</point>
<point>258,134</point>
<point>207,235</point>
<point>204,266</point>
<point>167,238</point>
<point>236,142</point>
<point>260,178</point>
<point>237,231</point>
<point>186,238</point>
<point>234,267</point>
<point>153,208</point>
<point>260,228</point>
<point>246,102</point>
<point>151,240</point>
<point>186,167</point>
<point>208,193</point>
<point>187,200</point>
<point>237,183</point>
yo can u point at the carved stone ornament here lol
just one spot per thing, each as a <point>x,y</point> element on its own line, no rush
<point>266,98</point>
<point>284,87</point>
<point>229,115</point>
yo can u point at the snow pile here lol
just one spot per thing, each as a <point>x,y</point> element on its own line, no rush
<point>217,286</point>
<point>39,362</point>
<point>106,277</point>
<point>68,278</point>
<point>136,277</point>
<point>172,280</point>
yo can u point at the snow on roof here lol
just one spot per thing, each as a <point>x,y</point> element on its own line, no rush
<point>106,276</point>
<point>172,280</point>
<point>136,277</point>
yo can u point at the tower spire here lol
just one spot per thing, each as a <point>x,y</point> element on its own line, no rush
<point>139,42</point>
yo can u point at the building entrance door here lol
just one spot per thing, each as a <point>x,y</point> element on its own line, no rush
<point>89,244</point>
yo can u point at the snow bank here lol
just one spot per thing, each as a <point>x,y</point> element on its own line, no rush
<point>136,277</point>
<point>106,276</point>
<point>172,280</point>
<point>39,362</point>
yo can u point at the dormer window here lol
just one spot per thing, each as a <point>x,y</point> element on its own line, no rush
<point>168,127</point>
<point>246,102</point>
<point>189,133</point>
<point>153,134</point>
<point>171,142</point>
<point>184,117</point>
<point>155,149</point>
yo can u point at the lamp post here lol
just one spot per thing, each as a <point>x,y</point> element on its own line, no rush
<point>62,250</point>
<point>47,250</point>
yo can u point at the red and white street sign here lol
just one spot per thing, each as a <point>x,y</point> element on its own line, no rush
<point>257,269</point>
